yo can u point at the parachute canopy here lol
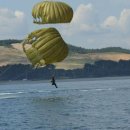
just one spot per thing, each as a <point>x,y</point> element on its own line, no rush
<point>45,46</point>
<point>47,12</point>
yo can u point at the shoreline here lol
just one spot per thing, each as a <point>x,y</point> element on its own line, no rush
<point>64,80</point>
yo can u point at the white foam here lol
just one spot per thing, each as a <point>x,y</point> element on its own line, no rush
<point>84,90</point>
<point>43,91</point>
<point>1,94</point>
<point>99,89</point>
<point>20,92</point>
<point>7,97</point>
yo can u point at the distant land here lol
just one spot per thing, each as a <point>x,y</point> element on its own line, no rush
<point>11,53</point>
<point>80,63</point>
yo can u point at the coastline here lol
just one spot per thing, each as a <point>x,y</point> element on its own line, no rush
<point>64,80</point>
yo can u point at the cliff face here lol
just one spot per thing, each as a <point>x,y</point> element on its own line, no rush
<point>13,54</point>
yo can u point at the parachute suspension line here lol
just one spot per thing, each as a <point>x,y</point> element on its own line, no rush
<point>52,70</point>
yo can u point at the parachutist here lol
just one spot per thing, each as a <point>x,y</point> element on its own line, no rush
<point>53,81</point>
<point>46,46</point>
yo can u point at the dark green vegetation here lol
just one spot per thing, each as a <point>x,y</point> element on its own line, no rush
<point>99,69</point>
<point>103,50</point>
<point>9,42</point>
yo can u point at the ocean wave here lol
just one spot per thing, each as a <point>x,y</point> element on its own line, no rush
<point>44,91</point>
<point>8,97</point>
<point>1,94</point>
<point>84,90</point>
<point>21,93</point>
<point>98,89</point>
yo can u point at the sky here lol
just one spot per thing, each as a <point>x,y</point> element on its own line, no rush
<point>95,24</point>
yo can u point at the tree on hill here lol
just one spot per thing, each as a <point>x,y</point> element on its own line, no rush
<point>9,42</point>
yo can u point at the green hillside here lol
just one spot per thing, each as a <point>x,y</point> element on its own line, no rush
<point>102,50</point>
<point>12,53</point>
<point>9,42</point>
<point>75,49</point>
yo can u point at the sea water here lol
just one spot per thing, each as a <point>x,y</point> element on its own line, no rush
<point>80,104</point>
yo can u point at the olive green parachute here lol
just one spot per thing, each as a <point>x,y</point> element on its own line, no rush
<point>45,46</point>
<point>47,12</point>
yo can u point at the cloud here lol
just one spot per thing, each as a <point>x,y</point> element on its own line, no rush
<point>124,20</point>
<point>110,22</point>
<point>90,28</point>
<point>19,14</point>
<point>83,20</point>
<point>12,23</point>
<point>83,13</point>
<point>121,23</point>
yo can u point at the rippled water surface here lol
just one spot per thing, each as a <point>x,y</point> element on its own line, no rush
<point>88,104</point>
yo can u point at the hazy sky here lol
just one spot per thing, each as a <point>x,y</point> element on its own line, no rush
<point>96,23</point>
